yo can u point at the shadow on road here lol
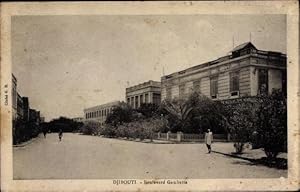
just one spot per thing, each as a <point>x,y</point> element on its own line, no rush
<point>278,163</point>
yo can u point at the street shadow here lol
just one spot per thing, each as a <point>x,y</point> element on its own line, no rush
<point>278,163</point>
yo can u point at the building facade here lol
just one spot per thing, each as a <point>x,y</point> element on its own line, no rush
<point>34,116</point>
<point>247,71</point>
<point>20,107</point>
<point>99,113</point>
<point>147,92</point>
<point>20,111</point>
<point>25,109</point>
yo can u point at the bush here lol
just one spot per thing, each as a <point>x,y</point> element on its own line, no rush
<point>149,110</point>
<point>271,123</point>
<point>241,118</point>
<point>24,131</point>
<point>142,129</point>
<point>108,130</point>
<point>122,113</point>
<point>90,128</point>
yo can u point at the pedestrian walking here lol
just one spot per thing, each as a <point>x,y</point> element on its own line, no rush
<point>208,139</point>
<point>44,132</point>
<point>60,134</point>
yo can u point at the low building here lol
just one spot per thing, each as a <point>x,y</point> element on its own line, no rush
<point>78,119</point>
<point>247,71</point>
<point>147,92</point>
<point>99,113</point>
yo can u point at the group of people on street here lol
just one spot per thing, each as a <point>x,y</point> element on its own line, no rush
<point>60,134</point>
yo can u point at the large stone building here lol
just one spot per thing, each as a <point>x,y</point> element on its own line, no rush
<point>147,92</point>
<point>99,113</point>
<point>247,71</point>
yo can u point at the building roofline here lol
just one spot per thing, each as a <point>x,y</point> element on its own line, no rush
<point>102,105</point>
<point>217,61</point>
<point>144,85</point>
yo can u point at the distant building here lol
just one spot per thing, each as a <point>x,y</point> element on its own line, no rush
<point>34,116</point>
<point>148,92</point>
<point>78,119</point>
<point>99,113</point>
<point>247,71</point>
<point>20,111</point>
<point>25,109</point>
<point>42,119</point>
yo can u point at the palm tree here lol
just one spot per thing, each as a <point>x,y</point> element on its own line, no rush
<point>179,109</point>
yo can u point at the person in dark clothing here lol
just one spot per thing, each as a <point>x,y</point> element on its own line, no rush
<point>60,134</point>
<point>44,132</point>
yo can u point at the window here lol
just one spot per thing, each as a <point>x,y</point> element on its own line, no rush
<point>169,92</point>
<point>156,98</point>
<point>128,100</point>
<point>132,101</point>
<point>214,87</point>
<point>263,81</point>
<point>234,83</point>
<point>181,90</point>
<point>141,99</point>
<point>146,98</point>
<point>196,86</point>
<point>136,101</point>
<point>86,115</point>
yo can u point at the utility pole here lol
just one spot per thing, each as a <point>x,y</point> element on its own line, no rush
<point>233,42</point>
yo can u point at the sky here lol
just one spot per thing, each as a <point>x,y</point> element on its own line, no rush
<point>67,63</point>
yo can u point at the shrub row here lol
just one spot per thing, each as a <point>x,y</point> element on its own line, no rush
<point>143,129</point>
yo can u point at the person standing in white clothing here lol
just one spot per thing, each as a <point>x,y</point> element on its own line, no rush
<point>208,139</point>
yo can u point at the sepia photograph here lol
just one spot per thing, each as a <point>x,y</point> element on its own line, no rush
<point>149,99</point>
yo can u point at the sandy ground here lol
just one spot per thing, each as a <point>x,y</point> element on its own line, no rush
<point>91,157</point>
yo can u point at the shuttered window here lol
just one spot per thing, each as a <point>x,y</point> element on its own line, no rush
<point>263,81</point>
<point>214,87</point>
<point>234,81</point>
<point>196,86</point>
<point>181,90</point>
<point>169,92</point>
